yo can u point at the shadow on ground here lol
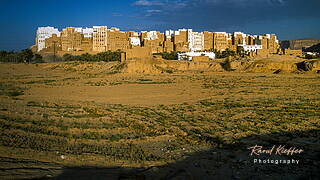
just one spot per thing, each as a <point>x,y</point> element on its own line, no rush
<point>231,161</point>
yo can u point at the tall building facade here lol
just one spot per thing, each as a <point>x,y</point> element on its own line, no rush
<point>180,40</point>
<point>99,39</point>
<point>220,41</point>
<point>153,40</point>
<point>195,40</point>
<point>208,40</point>
<point>44,33</point>
<point>71,39</point>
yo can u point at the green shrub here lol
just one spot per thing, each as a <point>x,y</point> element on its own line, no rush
<point>103,56</point>
<point>169,55</point>
<point>309,56</point>
<point>227,64</point>
<point>24,56</point>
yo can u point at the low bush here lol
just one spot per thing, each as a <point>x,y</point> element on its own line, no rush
<point>103,56</point>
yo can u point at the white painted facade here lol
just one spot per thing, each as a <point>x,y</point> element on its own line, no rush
<point>189,55</point>
<point>250,48</point>
<point>268,36</point>
<point>198,41</point>
<point>276,39</point>
<point>190,39</point>
<point>78,29</point>
<point>169,34</point>
<point>43,33</point>
<point>195,40</point>
<point>152,35</point>
<point>87,32</point>
<point>135,41</point>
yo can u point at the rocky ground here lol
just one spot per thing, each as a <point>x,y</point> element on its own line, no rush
<point>158,119</point>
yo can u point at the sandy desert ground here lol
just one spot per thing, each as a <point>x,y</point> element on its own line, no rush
<point>78,120</point>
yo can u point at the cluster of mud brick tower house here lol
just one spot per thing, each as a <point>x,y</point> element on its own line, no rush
<point>77,41</point>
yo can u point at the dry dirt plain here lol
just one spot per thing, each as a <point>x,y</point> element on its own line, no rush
<point>87,121</point>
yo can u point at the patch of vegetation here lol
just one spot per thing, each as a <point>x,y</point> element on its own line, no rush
<point>169,55</point>
<point>207,123</point>
<point>103,56</point>
<point>46,81</point>
<point>153,82</point>
<point>227,64</point>
<point>15,93</point>
<point>223,54</point>
<point>234,110</point>
<point>169,71</point>
<point>99,83</point>
<point>310,56</point>
<point>11,90</point>
<point>145,79</point>
<point>24,56</point>
<point>115,83</point>
<point>70,78</point>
